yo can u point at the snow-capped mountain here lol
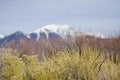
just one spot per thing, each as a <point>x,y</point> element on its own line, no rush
<point>48,32</point>
<point>61,30</point>
<point>43,39</point>
<point>1,36</point>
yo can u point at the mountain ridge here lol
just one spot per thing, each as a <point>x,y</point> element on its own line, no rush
<point>43,40</point>
<point>61,30</point>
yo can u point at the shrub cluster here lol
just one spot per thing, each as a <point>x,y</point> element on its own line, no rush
<point>91,64</point>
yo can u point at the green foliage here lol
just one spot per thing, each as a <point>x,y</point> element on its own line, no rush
<point>91,64</point>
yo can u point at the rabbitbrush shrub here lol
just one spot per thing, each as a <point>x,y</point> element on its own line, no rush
<point>92,64</point>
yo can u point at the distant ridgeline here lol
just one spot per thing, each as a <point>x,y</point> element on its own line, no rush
<point>53,38</point>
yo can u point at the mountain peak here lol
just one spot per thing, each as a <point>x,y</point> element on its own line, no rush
<point>61,30</point>
<point>18,32</point>
<point>52,28</point>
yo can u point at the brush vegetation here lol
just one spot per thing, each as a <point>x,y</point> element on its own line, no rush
<point>87,64</point>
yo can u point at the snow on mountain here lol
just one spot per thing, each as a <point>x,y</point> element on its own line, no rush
<point>61,30</point>
<point>98,35</point>
<point>53,30</point>
<point>1,36</point>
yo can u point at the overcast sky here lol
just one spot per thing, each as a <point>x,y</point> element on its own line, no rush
<point>89,15</point>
